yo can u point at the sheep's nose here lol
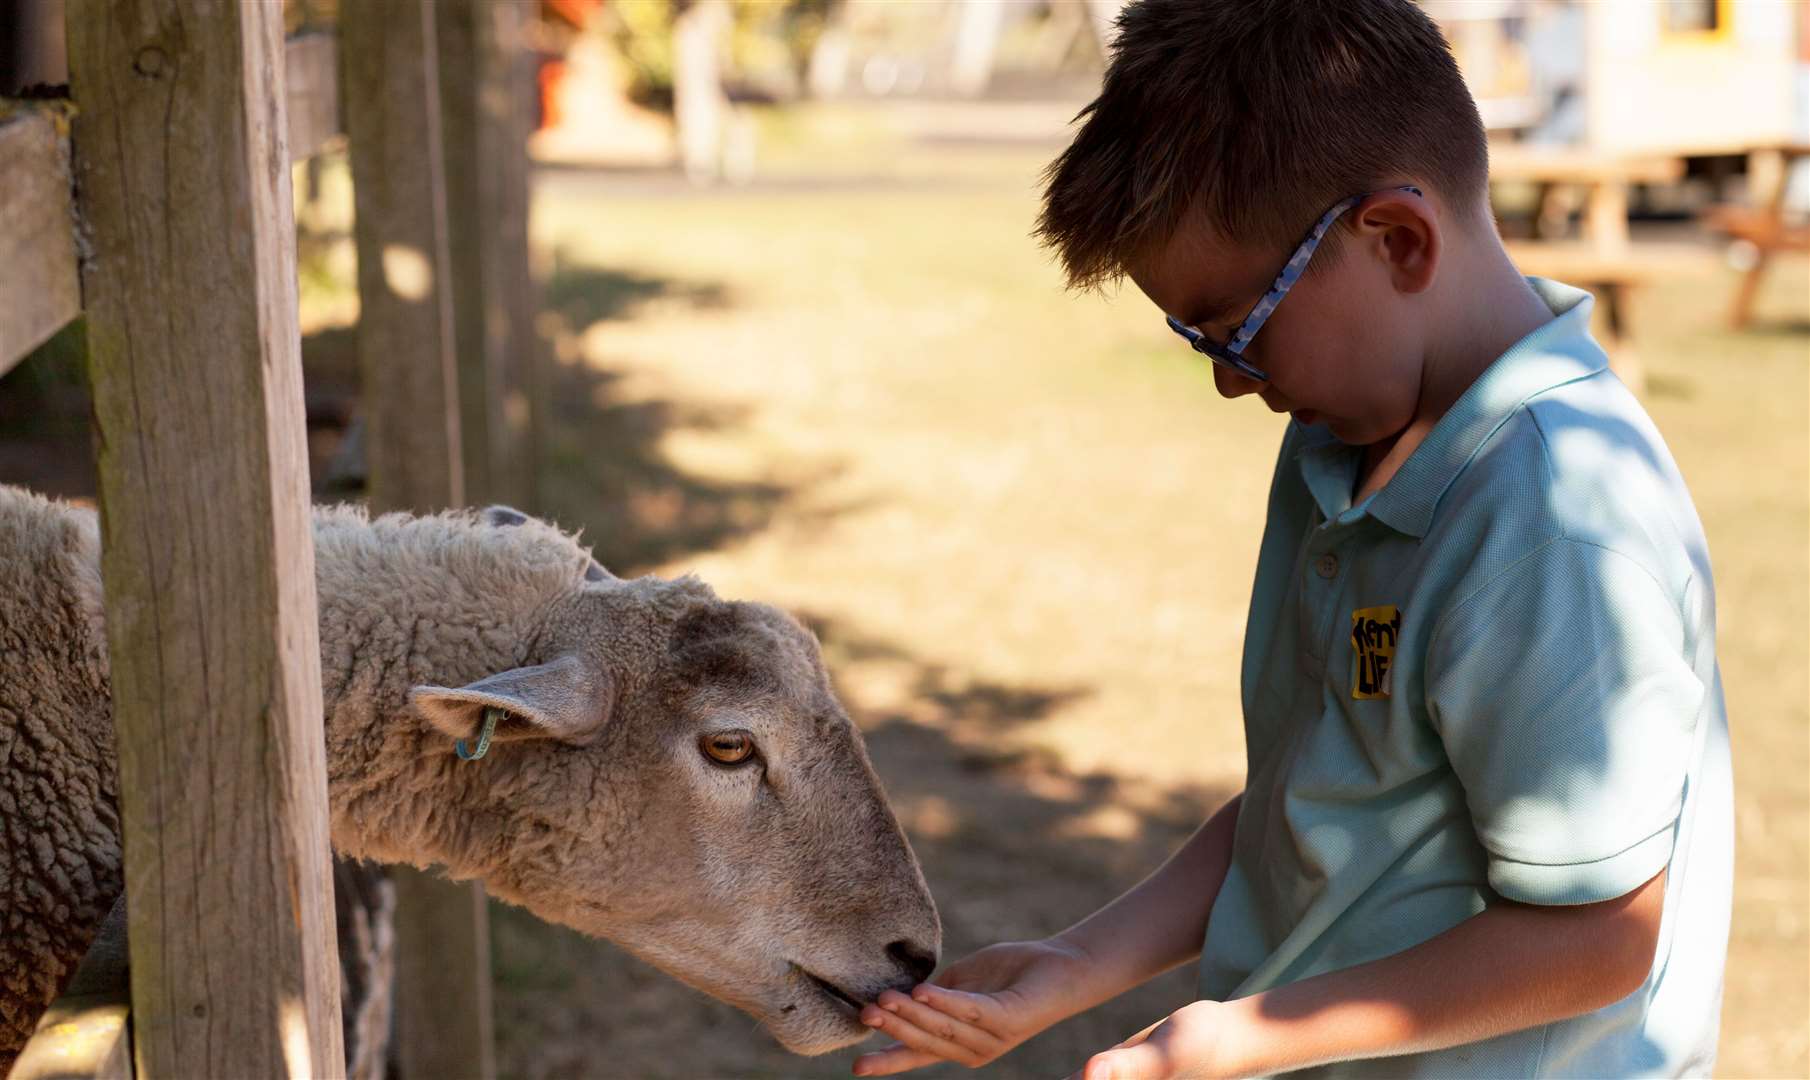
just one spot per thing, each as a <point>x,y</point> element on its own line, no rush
<point>917,962</point>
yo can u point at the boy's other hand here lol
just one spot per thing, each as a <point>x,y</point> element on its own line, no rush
<point>978,1008</point>
<point>1186,1043</point>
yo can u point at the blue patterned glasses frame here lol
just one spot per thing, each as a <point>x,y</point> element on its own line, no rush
<point>1231,354</point>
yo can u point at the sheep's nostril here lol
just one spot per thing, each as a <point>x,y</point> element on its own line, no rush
<point>918,963</point>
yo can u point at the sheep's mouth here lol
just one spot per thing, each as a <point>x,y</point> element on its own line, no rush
<point>832,991</point>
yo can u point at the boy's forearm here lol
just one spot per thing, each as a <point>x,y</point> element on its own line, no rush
<point>1162,921</point>
<point>1510,967</point>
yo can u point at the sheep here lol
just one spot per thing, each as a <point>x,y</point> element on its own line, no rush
<point>671,771</point>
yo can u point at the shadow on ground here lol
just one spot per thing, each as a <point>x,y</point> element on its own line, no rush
<point>580,295</point>
<point>1013,845</point>
<point>606,470</point>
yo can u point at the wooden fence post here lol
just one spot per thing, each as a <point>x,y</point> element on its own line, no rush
<point>391,95</point>
<point>390,89</point>
<point>527,397</point>
<point>484,101</point>
<point>189,286</point>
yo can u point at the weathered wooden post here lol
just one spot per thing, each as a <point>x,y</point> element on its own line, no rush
<point>391,94</point>
<point>485,90</point>
<point>189,286</point>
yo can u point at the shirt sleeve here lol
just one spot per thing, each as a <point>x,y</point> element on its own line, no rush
<point>1567,705</point>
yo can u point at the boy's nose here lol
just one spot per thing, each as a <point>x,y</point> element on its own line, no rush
<point>1231,384</point>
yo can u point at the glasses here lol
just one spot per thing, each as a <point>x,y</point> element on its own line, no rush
<point>1231,354</point>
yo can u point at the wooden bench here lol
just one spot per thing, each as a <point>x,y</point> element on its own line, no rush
<point>1611,275</point>
<point>1763,224</point>
<point>1604,179</point>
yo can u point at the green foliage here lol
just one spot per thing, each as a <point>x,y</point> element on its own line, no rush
<point>642,31</point>
<point>770,43</point>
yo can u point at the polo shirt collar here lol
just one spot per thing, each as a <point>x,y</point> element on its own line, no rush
<point>1558,352</point>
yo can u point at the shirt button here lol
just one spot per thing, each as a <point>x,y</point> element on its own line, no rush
<point>1327,566</point>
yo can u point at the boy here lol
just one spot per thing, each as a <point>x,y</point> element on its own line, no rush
<point>1487,822</point>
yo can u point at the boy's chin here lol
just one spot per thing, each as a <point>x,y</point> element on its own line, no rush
<point>1353,433</point>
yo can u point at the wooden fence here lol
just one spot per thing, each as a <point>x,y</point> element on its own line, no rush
<point>158,205</point>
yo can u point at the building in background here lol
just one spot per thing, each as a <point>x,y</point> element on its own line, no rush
<point>1670,78</point>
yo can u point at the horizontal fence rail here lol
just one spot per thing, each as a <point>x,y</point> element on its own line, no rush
<point>40,238</point>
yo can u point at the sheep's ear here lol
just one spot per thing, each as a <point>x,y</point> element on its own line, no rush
<point>502,517</point>
<point>566,699</point>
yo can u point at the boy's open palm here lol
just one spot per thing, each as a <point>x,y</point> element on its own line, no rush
<point>977,1009</point>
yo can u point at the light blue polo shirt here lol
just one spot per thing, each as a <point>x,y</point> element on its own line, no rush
<point>1495,677</point>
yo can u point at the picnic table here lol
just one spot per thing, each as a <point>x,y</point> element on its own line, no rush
<point>1604,179</point>
<point>1762,223</point>
<point>1601,258</point>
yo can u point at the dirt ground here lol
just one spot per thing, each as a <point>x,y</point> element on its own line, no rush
<point>1024,526</point>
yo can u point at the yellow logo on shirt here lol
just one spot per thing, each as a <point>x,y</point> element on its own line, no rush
<point>1374,631</point>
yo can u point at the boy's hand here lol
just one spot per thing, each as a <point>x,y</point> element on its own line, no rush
<point>1186,1044</point>
<point>979,1008</point>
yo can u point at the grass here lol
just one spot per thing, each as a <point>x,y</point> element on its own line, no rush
<point>1025,526</point>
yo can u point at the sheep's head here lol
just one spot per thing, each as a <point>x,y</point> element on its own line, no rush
<point>674,773</point>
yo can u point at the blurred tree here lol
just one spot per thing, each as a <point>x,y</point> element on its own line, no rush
<point>768,48</point>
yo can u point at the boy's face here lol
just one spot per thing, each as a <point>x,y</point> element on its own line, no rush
<point>1344,348</point>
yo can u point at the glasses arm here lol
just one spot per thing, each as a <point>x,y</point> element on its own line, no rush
<point>1293,269</point>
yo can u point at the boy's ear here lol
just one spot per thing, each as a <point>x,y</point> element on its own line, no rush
<point>1407,229</point>
<point>566,699</point>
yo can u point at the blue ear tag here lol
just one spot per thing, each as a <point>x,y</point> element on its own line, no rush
<point>491,715</point>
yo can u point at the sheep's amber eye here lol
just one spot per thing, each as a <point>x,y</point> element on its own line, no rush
<point>728,747</point>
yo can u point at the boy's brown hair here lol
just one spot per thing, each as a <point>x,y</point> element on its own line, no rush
<point>1260,114</point>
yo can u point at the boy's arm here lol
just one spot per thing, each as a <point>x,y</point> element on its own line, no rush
<point>1510,967</point>
<point>1162,922</point>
